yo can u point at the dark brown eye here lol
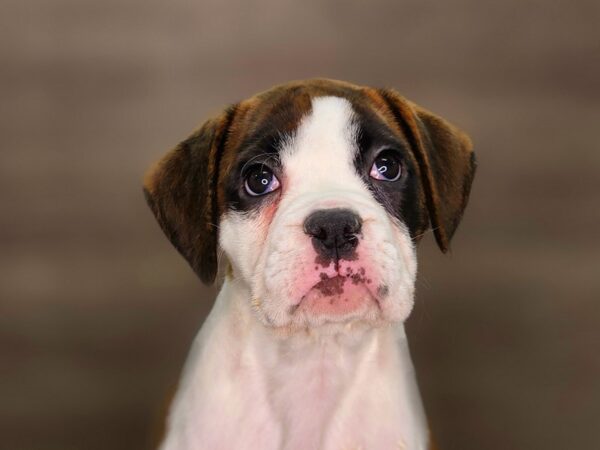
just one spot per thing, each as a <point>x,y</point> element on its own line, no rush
<point>386,167</point>
<point>260,180</point>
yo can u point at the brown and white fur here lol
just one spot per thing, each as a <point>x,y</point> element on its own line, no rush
<point>305,348</point>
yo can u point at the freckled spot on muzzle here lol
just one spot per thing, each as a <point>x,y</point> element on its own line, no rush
<point>330,286</point>
<point>383,291</point>
<point>357,277</point>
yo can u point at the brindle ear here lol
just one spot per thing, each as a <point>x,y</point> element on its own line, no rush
<point>446,162</point>
<point>181,191</point>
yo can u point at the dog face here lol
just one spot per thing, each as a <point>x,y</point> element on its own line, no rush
<point>319,245</point>
<point>317,192</point>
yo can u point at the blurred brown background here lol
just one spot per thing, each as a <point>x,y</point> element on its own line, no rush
<point>98,310</point>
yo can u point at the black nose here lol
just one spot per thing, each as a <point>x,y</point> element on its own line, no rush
<point>334,232</point>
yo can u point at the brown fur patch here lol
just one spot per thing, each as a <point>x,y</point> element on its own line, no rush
<point>380,104</point>
<point>445,159</point>
<point>180,192</point>
<point>280,110</point>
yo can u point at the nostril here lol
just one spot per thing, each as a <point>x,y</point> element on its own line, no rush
<point>315,229</point>
<point>320,234</point>
<point>351,238</point>
<point>353,227</point>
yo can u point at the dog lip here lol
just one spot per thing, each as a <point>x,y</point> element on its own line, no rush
<point>326,284</point>
<point>332,286</point>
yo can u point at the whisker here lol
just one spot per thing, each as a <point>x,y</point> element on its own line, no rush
<point>419,236</point>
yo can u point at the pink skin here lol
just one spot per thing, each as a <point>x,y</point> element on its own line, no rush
<point>268,212</point>
<point>337,289</point>
<point>349,299</point>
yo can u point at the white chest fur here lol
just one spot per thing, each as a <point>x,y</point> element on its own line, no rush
<point>247,388</point>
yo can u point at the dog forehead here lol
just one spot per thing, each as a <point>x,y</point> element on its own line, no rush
<point>263,119</point>
<point>325,141</point>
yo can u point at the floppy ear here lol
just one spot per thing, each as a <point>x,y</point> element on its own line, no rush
<point>446,163</point>
<point>181,191</point>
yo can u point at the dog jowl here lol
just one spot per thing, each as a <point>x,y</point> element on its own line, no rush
<point>317,193</point>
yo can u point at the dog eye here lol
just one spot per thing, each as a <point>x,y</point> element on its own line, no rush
<point>386,167</point>
<point>260,180</point>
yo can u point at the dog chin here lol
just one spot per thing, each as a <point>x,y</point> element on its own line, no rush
<point>332,305</point>
<point>336,299</point>
<point>326,306</point>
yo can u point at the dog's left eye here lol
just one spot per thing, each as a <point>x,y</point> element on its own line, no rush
<point>260,180</point>
<point>386,167</point>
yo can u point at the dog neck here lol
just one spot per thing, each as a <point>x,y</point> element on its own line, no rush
<point>316,387</point>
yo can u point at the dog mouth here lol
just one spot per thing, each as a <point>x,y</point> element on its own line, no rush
<point>338,296</point>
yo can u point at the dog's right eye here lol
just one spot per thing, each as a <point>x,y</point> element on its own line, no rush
<point>260,180</point>
<point>386,167</point>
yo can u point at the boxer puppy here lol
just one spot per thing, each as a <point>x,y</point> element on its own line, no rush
<point>316,192</point>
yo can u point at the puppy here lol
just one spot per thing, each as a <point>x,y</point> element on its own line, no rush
<point>316,192</point>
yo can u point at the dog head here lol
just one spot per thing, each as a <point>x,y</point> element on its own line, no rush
<point>317,192</point>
